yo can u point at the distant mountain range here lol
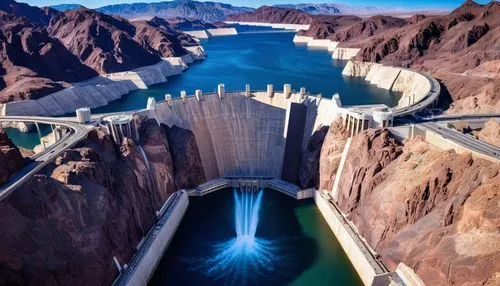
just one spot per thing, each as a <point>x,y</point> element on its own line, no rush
<point>66,7</point>
<point>206,11</point>
<point>341,9</point>
<point>215,11</point>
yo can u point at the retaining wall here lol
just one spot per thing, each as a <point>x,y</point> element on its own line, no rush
<point>413,85</point>
<point>344,53</point>
<point>149,255</point>
<point>296,27</point>
<point>360,258</point>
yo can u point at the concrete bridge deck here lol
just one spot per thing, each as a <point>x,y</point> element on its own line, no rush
<point>76,133</point>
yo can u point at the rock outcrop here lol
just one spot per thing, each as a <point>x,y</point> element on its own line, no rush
<point>102,42</point>
<point>267,14</point>
<point>331,153</point>
<point>490,132</point>
<point>460,49</point>
<point>186,158</point>
<point>309,160</point>
<point>42,57</point>
<point>10,157</point>
<point>95,202</point>
<point>432,209</point>
<point>33,63</point>
<point>40,17</point>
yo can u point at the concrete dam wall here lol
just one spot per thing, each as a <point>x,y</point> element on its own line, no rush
<point>240,135</point>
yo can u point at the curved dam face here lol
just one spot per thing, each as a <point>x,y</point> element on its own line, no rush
<point>246,136</point>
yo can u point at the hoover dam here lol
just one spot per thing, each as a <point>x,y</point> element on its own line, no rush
<point>238,182</point>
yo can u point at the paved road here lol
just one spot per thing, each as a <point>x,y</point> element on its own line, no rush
<point>76,133</point>
<point>464,140</point>
<point>431,97</point>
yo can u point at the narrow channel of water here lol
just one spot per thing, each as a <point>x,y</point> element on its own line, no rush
<point>292,244</point>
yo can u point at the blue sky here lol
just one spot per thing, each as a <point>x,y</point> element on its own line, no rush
<point>409,4</point>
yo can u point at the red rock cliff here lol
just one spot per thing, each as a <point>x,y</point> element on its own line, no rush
<point>10,157</point>
<point>434,210</point>
<point>96,201</point>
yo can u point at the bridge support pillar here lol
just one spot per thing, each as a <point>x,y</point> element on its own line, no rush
<point>42,143</point>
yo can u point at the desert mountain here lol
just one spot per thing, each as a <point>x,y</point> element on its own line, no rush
<point>461,48</point>
<point>267,14</point>
<point>74,46</point>
<point>206,11</point>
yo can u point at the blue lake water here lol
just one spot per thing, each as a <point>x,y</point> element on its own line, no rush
<point>259,58</point>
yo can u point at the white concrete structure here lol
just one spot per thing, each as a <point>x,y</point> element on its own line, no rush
<point>413,85</point>
<point>247,90</point>
<point>408,276</point>
<point>168,99</point>
<point>183,96</point>
<point>344,53</point>
<point>199,94</point>
<point>365,263</point>
<point>200,34</point>
<point>222,32</point>
<point>208,33</point>
<point>242,135</point>
<point>151,250</point>
<point>221,90</point>
<point>270,90</point>
<point>287,90</point>
<point>302,39</point>
<point>98,91</point>
<point>296,27</point>
<point>120,126</point>
<point>151,104</point>
<point>83,115</point>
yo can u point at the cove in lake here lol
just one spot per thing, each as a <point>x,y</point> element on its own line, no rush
<point>259,58</point>
<point>292,245</point>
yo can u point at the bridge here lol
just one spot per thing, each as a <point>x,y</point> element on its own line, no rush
<point>75,133</point>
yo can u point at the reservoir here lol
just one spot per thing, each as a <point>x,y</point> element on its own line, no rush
<point>259,57</point>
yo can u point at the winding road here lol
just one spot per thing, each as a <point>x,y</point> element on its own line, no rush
<point>76,133</point>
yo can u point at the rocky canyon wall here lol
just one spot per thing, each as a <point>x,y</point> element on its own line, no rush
<point>432,209</point>
<point>94,202</point>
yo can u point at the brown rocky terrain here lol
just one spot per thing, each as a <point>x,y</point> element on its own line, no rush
<point>75,46</point>
<point>267,14</point>
<point>10,156</point>
<point>309,160</point>
<point>490,132</point>
<point>325,27</point>
<point>34,63</point>
<point>432,209</point>
<point>102,42</point>
<point>460,49</point>
<point>96,201</point>
<point>186,157</point>
<point>40,17</point>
